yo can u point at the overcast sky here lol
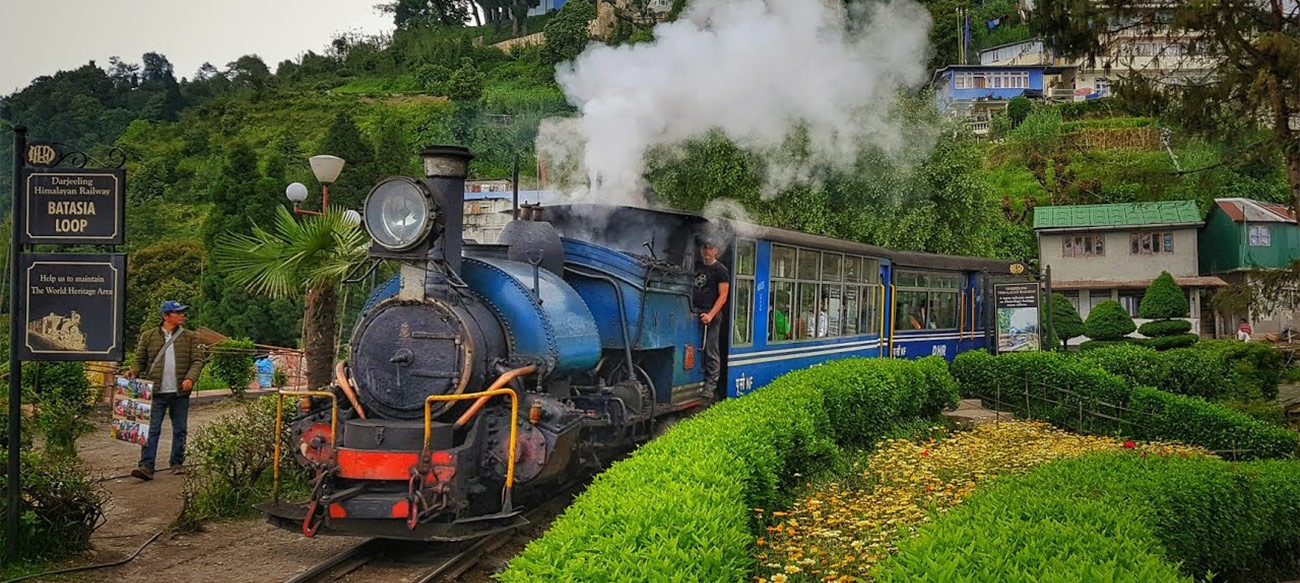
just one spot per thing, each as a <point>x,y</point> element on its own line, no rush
<point>40,38</point>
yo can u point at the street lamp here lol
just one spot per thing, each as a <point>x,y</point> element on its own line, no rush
<point>326,168</point>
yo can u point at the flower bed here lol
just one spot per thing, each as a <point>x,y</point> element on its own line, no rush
<point>679,509</point>
<point>841,530</point>
<point>1113,517</point>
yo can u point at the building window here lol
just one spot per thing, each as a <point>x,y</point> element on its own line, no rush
<point>742,319</point>
<point>1131,299</point>
<point>822,295</point>
<point>1151,242</point>
<point>926,301</point>
<point>1260,236</point>
<point>1083,246</point>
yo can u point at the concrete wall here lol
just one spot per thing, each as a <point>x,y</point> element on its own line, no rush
<point>1118,264</point>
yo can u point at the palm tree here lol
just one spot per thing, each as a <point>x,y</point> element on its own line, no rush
<point>309,257</point>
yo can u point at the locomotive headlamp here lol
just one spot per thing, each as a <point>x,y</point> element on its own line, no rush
<point>397,213</point>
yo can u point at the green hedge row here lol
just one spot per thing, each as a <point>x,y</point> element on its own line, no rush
<point>1257,364</point>
<point>1116,518</point>
<point>1104,403</point>
<point>680,508</point>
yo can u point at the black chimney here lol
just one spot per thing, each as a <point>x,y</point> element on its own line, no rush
<point>445,169</point>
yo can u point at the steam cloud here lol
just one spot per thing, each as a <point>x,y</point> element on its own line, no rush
<point>754,70</point>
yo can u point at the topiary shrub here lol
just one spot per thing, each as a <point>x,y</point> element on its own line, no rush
<point>1164,328</point>
<point>1162,302</point>
<point>1168,342</point>
<point>231,363</point>
<point>1066,322</point>
<point>1108,321</point>
<point>1163,299</point>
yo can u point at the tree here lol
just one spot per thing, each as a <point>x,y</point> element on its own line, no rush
<point>1066,322</point>
<point>242,198</point>
<point>1108,321</point>
<point>306,258</point>
<point>1018,109</point>
<point>411,13</point>
<point>249,71</point>
<point>344,139</point>
<point>567,33</point>
<point>1252,48</point>
<point>1162,303</point>
<point>150,267</point>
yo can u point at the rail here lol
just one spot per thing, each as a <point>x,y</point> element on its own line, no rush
<point>1075,411</point>
<point>893,314</point>
<point>279,431</point>
<point>880,312</point>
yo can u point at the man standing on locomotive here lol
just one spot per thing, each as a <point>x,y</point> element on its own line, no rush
<point>172,358</point>
<point>712,285</point>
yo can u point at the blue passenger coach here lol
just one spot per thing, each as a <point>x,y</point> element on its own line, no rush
<point>796,299</point>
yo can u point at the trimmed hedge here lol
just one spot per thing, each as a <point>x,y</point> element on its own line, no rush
<point>1163,299</point>
<point>1147,413</point>
<point>1108,320</point>
<point>1183,372</point>
<point>1170,342</point>
<point>1256,364</point>
<point>1113,517</point>
<point>1165,327</point>
<point>1066,322</point>
<point>679,509</point>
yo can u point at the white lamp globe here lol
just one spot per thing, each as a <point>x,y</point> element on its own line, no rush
<point>326,168</point>
<point>296,192</point>
<point>352,217</point>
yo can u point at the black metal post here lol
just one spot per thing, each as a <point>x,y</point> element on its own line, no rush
<point>1047,278</point>
<point>514,183</point>
<point>990,316</point>
<point>15,367</point>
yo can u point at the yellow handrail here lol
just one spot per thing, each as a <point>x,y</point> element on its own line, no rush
<point>893,314</point>
<point>279,427</point>
<point>961,316</point>
<point>880,312</point>
<point>514,422</point>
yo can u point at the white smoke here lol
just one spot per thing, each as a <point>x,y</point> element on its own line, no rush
<point>754,70</point>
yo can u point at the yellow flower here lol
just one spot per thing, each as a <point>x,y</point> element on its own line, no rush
<point>779,578</point>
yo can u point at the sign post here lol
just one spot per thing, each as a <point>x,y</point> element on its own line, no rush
<point>62,306</point>
<point>15,366</point>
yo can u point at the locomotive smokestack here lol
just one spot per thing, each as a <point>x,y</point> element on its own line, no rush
<point>445,169</point>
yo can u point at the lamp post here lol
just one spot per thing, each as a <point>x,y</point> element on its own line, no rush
<point>326,168</point>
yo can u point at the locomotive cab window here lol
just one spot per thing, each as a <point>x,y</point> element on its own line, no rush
<point>742,299</point>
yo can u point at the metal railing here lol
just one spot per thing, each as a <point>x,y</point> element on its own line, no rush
<point>1076,411</point>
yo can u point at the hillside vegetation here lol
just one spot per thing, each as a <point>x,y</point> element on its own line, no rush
<point>213,152</point>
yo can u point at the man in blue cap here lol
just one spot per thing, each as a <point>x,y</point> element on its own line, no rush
<point>171,357</point>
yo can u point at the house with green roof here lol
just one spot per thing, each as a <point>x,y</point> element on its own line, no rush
<point>1103,252</point>
<point>1241,237</point>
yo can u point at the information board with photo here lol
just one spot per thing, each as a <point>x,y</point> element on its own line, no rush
<point>1017,311</point>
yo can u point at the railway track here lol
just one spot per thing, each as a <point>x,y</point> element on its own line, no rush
<point>377,559</point>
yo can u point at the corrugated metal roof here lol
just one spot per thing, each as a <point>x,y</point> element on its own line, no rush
<point>1245,209</point>
<point>1182,212</point>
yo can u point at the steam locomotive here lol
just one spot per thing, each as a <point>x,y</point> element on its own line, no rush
<point>483,375</point>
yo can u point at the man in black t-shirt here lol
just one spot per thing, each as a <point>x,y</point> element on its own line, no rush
<point>712,285</point>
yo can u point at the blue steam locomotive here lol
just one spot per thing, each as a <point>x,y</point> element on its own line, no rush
<point>483,375</point>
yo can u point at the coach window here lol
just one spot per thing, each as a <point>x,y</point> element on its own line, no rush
<point>926,301</point>
<point>853,308</point>
<point>742,320</point>
<point>831,314</point>
<point>781,314</point>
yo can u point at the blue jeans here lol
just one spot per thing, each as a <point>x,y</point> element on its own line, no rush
<point>179,405</point>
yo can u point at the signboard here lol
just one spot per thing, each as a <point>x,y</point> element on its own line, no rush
<point>72,306</point>
<point>1017,310</point>
<point>131,409</point>
<point>74,206</point>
